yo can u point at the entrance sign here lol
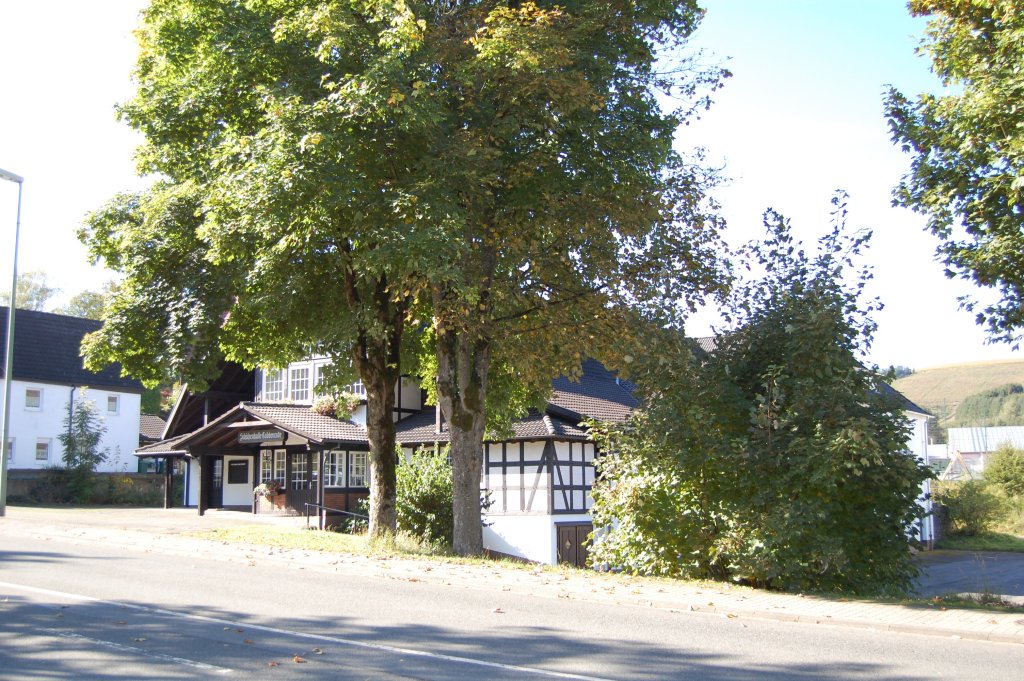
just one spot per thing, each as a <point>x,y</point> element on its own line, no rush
<point>261,436</point>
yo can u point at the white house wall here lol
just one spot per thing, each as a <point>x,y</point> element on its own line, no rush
<point>516,479</point>
<point>28,426</point>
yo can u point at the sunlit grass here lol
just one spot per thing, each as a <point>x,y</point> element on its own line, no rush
<point>987,541</point>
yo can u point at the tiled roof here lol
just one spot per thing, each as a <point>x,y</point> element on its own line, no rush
<point>151,427</point>
<point>169,447</point>
<point>598,394</point>
<point>301,420</point>
<point>47,348</point>
<point>420,428</point>
<point>903,400</point>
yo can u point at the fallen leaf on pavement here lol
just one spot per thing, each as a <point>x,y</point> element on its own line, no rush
<point>299,660</point>
<point>498,611</point>
<point>273,664</point>
<point>248,640</point>
<point>317,651</point>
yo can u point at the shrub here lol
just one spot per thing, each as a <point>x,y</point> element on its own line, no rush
<point>972,507</point>
<point>424,496</point>
<point>1006,470</point>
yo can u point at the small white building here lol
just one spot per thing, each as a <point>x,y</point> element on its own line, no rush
<point>48,376</point>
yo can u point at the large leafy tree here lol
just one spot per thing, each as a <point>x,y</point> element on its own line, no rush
<point>568,214</point>
<point>779,458</point>
<point>967,144</point>
<point>279,226</point>
<point>337,170</point>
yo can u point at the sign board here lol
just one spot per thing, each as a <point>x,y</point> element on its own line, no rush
<point>260,436</point>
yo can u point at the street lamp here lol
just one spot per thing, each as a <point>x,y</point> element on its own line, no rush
<point>5,445</point>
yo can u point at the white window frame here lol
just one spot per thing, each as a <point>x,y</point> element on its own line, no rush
<point>38,406</point>
<point>357,469</point>
<point>275,469</point>
<point>45,442</point>
<point>356,388</point>
<point>334,468</point>
<point>273,385</point>
<point>298,383</point>
<point>114,400</point>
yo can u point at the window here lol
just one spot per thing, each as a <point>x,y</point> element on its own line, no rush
<point>42,450</point>
<point>334,469</point>
<point>33,398</point>
<point>300,472</point>
<point>357,469</point>
<point>273,385</point>
<point>318,377</point>
<point>10,451</point>
<point>113,402</point>
<point>356,388</point>
<point>299,384</point>
<point>272,466</point>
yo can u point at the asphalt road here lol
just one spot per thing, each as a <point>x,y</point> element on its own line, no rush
<point>84,611</point>
<point>984,572</point>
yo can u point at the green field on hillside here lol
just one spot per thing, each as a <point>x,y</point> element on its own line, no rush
<point>941,389</point>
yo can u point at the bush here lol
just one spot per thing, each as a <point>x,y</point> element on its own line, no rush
<point>424,496</point>
<point>1006,470</point>
<point>972,507</point>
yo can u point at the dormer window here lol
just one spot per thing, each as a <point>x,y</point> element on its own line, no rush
<point>273,385</point>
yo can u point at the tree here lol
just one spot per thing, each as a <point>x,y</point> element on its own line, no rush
<point>282,227</point>
<point>338,171</point>
<point>967,173</point>
<point>83,432</point>
<point>568,214</point>
<point>1005,470</point>
<point>33,292</point>
<point>89,304</point>
<point>779,459</point>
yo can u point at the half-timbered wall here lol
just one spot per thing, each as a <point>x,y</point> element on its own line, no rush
<point>517,478</point>
<point>572,477</point>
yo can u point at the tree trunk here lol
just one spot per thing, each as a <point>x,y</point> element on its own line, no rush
<point>380,430</point>
<point>462,366</point>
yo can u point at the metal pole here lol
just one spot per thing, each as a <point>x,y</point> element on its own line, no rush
<point>5,445</point>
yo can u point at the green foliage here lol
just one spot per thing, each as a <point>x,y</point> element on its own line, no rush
<point>900,371</point>
<point>967,149</point>
<point>424,503</point>
<point>779,459</point>
<point>81,436</point>
<point>33,292</point>
<point>1001,406</point>
<point>340,406</point>
<point>973,508</point>
<point>1006,470</point>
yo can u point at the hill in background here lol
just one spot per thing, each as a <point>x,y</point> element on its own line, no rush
<point>941,390</point>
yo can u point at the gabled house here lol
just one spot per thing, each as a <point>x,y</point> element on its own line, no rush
<point>537,480</point>
<point>49,376</point>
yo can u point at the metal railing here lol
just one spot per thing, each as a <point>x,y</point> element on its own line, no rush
<point>321,515</point>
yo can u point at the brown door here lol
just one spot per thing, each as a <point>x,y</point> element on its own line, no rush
<point>573,543</point>
<point>214,472</point>
<point>300,479</point>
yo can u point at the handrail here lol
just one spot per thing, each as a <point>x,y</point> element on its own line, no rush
<point>320,516</point>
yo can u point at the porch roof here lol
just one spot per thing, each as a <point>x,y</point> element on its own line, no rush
<point>296,419</point>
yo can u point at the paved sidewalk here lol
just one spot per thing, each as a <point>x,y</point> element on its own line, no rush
<point>160,530</point>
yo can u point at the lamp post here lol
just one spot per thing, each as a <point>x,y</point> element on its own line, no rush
<point>5,445</point>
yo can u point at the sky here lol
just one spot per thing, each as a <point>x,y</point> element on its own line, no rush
<point>801,117</point>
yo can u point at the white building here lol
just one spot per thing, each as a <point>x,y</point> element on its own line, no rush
<point>48,376</point>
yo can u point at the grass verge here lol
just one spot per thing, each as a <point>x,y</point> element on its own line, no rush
<point>987,541</point>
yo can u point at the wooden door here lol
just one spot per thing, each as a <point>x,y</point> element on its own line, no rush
<point>573,542</point>
<point>300,481</point>
<point>215,482</point>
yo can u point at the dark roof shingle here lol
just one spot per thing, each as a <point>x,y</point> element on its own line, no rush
<point>47,348</point>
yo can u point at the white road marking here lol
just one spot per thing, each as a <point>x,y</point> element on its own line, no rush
<point>313,637</point>
<point>139,651</point>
